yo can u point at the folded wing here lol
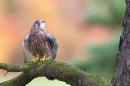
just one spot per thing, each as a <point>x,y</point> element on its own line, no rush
<point>54,45</point>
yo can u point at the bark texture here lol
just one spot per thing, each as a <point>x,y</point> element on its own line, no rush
<point>58,70</point>
<point>122,74</point>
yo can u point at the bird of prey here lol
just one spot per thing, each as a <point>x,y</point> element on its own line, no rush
<point>40,44</point>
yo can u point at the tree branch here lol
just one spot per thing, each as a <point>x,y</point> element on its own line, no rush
<point>58,70</point>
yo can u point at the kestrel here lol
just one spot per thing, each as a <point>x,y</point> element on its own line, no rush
<point>40,44</point>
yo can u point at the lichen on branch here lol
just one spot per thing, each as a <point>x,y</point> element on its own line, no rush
<point>57,70</point>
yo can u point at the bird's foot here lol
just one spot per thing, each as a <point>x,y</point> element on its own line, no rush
<point>43,59</point>
<point>34,60</point>
<point>46,58</point>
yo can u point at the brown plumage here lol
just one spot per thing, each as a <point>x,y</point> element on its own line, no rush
<point>39,43</point>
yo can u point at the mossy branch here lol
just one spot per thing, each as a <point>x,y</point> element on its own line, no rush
<point>58,70</point>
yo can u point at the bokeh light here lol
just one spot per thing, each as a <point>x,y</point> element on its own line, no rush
<point>76,24</point>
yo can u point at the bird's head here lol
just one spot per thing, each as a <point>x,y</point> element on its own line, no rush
<point>38,25</point>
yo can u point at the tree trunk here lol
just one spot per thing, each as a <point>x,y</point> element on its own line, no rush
<point>122,74</point>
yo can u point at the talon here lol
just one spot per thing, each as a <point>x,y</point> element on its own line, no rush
<point>46,58</point>
<point>43,59</point>
<point>34,60</point>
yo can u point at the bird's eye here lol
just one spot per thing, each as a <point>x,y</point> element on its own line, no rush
<point>43,21</point>
<point>37,22</point>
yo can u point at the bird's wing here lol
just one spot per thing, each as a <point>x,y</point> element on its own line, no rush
<point>26,43</point>
<point>54,45</point>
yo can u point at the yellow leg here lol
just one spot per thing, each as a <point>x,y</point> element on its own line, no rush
<point>34,60</point>
<point>43,58</point>
<point>46,58</point>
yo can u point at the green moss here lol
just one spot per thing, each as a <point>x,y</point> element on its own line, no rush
<point>65,72</point>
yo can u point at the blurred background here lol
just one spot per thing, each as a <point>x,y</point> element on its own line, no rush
<point>88,33</point>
